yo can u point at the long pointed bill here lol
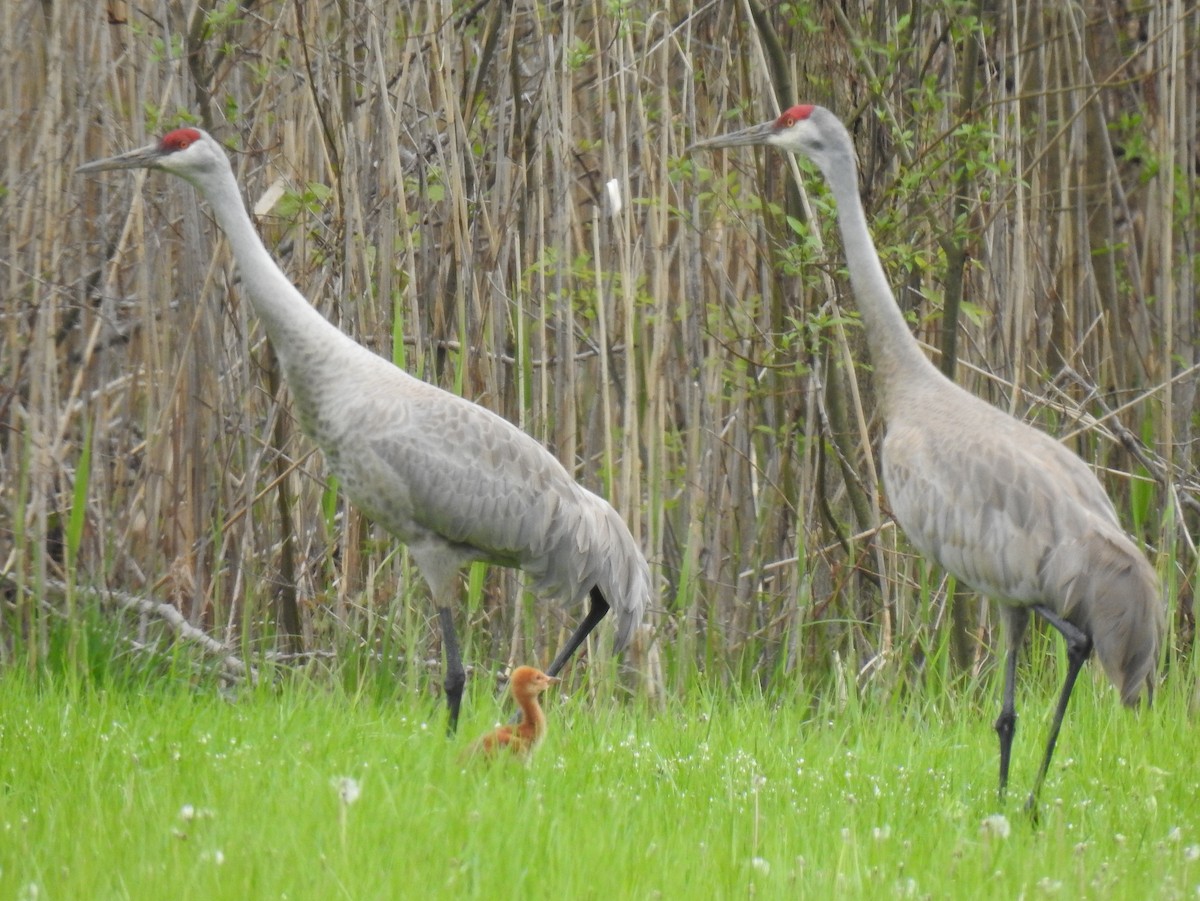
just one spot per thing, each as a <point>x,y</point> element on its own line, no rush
<point>142,158</point>
<point>755,134</point>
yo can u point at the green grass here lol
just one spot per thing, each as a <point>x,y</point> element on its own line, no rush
<point>175,793</point>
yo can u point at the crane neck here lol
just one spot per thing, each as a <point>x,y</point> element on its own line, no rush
<point>533,719</point>
<point>898,359</point>
<point>300,335</point>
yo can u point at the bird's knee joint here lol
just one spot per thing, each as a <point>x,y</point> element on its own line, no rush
<point>1006,725</point>
<point>1079,646</point>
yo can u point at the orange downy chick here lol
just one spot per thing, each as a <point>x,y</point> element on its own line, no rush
<point>522,739</point>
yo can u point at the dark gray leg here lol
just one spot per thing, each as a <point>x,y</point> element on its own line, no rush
<point>1016,619</point>
<point>1079,648</point>
<point>456,676</point>
<point>596,611</point>
<point>1006,722</point>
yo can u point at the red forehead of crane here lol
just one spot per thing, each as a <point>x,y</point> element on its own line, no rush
<point>179,139</point>
<point>797,113</point>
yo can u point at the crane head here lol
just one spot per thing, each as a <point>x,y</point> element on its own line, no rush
<point>188,152</point>
<point>809,130</point>
<point>528,681</point>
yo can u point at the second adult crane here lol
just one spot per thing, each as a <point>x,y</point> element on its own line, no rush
<point>1002,506</point>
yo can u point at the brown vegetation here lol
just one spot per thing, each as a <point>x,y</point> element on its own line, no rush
<point>433,176</point>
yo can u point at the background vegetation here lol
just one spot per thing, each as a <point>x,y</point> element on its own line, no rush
<point>434,176</point>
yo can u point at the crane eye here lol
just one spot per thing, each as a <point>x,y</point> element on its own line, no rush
<point>788,121</point>
<point>179,139</point>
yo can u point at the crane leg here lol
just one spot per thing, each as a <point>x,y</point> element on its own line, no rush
<point>1079,648</point>
<point>456,675</point>
<point>596,611</point>
<point>1006,722</point>
<point>1016,620</point>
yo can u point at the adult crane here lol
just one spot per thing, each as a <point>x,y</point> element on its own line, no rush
<point>1001,505</point>
<point>450,479</point>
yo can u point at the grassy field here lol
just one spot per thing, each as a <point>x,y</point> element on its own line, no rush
<point>303,793</point>
<point>436,176</point>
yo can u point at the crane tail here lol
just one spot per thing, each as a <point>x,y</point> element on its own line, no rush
<point>591,549</point>
<point>1127,620</point>
<point>626,625</point>
<point>621,576</point>
<point>630,610</point>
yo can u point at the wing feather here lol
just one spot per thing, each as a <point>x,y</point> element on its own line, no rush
<point>989,503</point>
<point>1015,515</point>
<point>447,473</point>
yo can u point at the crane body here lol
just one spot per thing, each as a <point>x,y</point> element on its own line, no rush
<point>1002,506</point>
<point>450,479</point>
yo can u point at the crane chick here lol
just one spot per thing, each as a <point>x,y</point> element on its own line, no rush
<point>522,739</point>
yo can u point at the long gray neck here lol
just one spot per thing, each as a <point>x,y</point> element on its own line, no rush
<point>301,336</point>
<point>897,357</point>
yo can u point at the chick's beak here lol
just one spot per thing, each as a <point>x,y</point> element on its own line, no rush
<point>142,158</point>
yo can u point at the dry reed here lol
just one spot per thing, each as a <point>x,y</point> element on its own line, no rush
<point>444,170</point>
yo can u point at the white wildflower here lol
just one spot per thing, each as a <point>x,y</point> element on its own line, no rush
<point>997,824</point>
<point>348,789</point>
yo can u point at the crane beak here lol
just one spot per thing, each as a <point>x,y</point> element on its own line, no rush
<point>755,134</point>
<point>142,158</point>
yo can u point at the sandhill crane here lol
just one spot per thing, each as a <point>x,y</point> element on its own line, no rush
<point>1002,506</point>
<point>522,739</point>
<point>453,481</point>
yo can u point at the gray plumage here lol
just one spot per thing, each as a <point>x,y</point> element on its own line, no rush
<point>452,480</point>
<point>1002,506</point>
